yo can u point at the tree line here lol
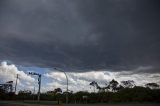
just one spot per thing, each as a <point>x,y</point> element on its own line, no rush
<point>113,92</point>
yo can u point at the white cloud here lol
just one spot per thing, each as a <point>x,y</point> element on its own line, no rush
<point>80,81</point>
<point>77,81</point>
<point>9,73</point>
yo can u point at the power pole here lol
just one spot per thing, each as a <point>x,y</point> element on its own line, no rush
<point>16,83</point>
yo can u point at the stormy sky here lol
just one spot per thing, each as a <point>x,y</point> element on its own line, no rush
<point>81,34</point>
<point>89,39</point>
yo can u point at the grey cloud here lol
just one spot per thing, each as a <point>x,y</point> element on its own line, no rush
<point>81,35</point>
<point>102,77</point>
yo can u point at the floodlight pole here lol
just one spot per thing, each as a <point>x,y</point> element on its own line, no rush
<point>39,83</point>
<point>66,82</point>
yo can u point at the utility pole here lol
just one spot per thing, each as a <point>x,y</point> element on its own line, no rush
<point>16,84</point>
<point>39,83</point>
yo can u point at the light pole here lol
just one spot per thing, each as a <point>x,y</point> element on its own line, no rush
<point>66,82</point>
<point>39,82</point>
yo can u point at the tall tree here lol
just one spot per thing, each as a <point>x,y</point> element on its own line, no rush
<point>95,85</point>
<point>113,85</point>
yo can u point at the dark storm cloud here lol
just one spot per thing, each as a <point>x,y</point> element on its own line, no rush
<point>81,34</point>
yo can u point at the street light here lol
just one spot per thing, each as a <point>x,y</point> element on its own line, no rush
<point>66,82</point>
<point>39,82</point>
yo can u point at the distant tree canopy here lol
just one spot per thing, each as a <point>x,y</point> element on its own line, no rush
<point>24,92</point>
<point>152,85</point>
<point>58,90</point>
<point>128,84</point>
<point>55,91</point>
<point>94,84</point>
<point>113,85</point>
<point>7,87</point>
<point>2,90</point>
<point>112,92</point>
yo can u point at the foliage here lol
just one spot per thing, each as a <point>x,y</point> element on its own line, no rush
<point>116,94</point>
<point>152,85</point>
<point>113,85</point>
<point>128,84</point>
